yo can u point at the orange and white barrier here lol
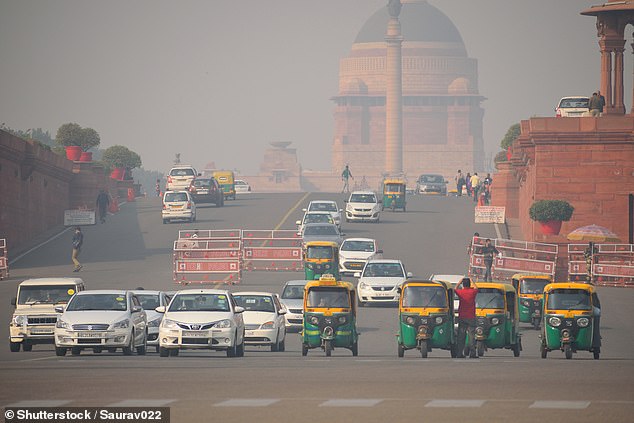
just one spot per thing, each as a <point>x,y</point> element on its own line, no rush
<point>4,260</point>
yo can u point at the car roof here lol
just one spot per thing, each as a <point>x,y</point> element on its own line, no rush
<point>144,291</point>
<point>362,192</point>
<point>183,166</point>
<point>319,224</point>
<point>169,191</point>
<point>254,293</point>
<point>360,239</point>
<point>379,260</point>
<point>202,291</point>
<point>104,291</point>
<point>322,201</point>
<point>51,281</point>
<point>574,96</point>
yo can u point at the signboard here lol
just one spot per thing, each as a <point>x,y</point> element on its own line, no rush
<point>79,217</point>
<point>489,214</point>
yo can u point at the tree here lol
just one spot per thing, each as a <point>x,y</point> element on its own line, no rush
<point>121,156</point>
<point>513,132</point>
<point>72,134</point>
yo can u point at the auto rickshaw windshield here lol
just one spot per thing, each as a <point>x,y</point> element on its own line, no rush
<point>569,299</point>
<point>424,296</point>
<point>533,286</point>
<point>319,252</point>
<point>394,188</point>
<point>489,298</point>
<point>328,297</point>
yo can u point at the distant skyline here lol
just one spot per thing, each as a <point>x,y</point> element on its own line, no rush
<point>217,81</point>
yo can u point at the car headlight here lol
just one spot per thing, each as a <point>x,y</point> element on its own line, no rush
<point>438,320</point>
<point>62,324</point>
<point>583,322</point>
<point>495,321</point>
<point>268,325</point>
<point>169,324</point>
<point>362,285</point>
<point>19,320</point>
<point>554,321</point>
<point>223,324</point>
<point>154,323</point>
<point>314,320</point>
<point>123,324</point>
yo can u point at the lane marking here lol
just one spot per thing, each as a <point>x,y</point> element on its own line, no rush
<point>246,402</point>
<point>142,403</point>
<point>455,403</point>
<point>567,405</point>
<point>291,210</point>
<point>39,359</point>
<point>39,403</point>
<point>350,403</point>
<point>41,245</point>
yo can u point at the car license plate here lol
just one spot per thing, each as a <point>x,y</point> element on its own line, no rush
<point>177,207</point>
<point>384,294</point>
<point>195,333</point>
<point>249,333</point>
<point>90,335</point>
<point>203,191</point>
<point>42,331</point>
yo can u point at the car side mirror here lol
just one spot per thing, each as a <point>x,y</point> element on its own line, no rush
<point>14,301</point>
<point>410,275</point>
<point>239,309</point>
<point>137,309</point>
<point>200,174</point>
<point>399,290</point>
<point>160,309</point>
<point>357,274</point>
<point>281,311</point>
<point>59,309</point>
<point>340,210</point>
<point>379,252</point>
<point>303,210</point>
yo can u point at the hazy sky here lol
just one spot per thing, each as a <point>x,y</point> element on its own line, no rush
<point>218,80</point>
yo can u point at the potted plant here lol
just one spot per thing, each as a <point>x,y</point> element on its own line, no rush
<point>550,214</point>
<point>77,140</point>
<point>120,158</point>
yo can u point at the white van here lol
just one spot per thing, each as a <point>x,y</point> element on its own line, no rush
<point>575,106</point>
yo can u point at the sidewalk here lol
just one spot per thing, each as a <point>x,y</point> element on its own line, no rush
<point>511,229</point>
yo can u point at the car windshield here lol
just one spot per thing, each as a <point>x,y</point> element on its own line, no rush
<point>533,286</point>
<point>202,183</point>
<point>255,302</point>
<point>569,299</point>
<point>182,172</point>
<point>318,218</point>
<point>394,188</point>
<point>328,297</point>
<point>362,198</point>
<point>293,292</point>
<point>330,207</point>
<point>573,103</point>
<point>320,230</point>
<point>199,302</point>
<point>239,182</point>
<point>383,270</point>
<point>108,302</point>
<point>424,296</point>
<point>489,298</point>
<point>431,179</point>
<point>172,197</point>
<point>365,246</point>
<point>45,294</point>
<point>319,252</point>
<point>149,301</point>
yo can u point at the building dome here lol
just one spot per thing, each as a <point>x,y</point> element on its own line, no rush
<point>420,22</point>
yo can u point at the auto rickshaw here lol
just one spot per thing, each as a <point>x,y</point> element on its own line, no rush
<point>569,321</point>
<point>394,193</point>
<point>226,179</point>
<point>329,316</point>
<point>321,257</point>
<point>426,317</point>
<point>497,318</point>
<point>530,291</point>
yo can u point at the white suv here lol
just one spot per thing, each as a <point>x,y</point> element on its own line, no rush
<point>181,177</point>
<point>363,205</point>
<point>380,280</point>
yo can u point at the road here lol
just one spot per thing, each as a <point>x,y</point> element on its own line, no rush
<point>133,249</point>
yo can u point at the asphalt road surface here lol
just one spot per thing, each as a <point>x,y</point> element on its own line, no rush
<point>133,248</point>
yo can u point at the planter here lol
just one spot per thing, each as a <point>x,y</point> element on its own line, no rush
<point>118,173</point>
<point>551,227</point>
<point>73,152</point>
<point>86,156</point>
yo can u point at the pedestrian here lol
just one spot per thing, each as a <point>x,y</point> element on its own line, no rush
<point>103,201</point>
<point>158,187</point>
<point>602,102</point>
<point>475,186</point>
<point>468,183</point>
<point>595,105</point>
<point>459,182</point>
<point>488,251</point>
<point>345,175</point>
<point>488,181</point>
<point>78,240</point>
<point>466,292</point>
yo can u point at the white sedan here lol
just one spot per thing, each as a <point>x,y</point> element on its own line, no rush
<point>355,252</point>
<point>326,205</point>
<point>101,320</point>
<point>380,281</point>
<point>241,187</point>
<point>201,319</point>
<point>149,301</point>
<point>264,322</point>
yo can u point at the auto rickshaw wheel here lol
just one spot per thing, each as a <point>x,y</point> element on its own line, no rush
<point>543,350</point>
<point>536,323</point>
<point>423,349</point>
<point>304,350</point>
<point>516,349</point>
<point>480,348</point>
<point>596,353</point>
<point>355,349</point>
<point>328,348</point>
<point>401,351</point>
<point>568,351</point>
<point>453,351</point>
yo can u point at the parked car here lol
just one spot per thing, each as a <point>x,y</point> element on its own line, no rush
<point>178,205</point>
<point>328,206</point>
<point>34,317</point>
<point>293,299</point>
<point>149,300</point>
<point>263,316</point>
<point>575,106</point>
<point>380,280</point>
<point>431,183</point>
<point>101,320</point>
<point>202,319</point>
<point>355,252</point>
<point>363,205</point>
<point>180,177</point>
<point>321,232</point>
<point>241,187</point>
<point>207,191</point>
<point>314,217</point>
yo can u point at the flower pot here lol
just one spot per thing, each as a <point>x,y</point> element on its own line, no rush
<point>551,227</point>
<point>118,173</point>
<point>73,152</point>
<point>86,156</point>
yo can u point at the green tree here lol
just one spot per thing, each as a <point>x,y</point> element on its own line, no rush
<point>513,132</point>
<point>72,134</point>
<point>121,156</point>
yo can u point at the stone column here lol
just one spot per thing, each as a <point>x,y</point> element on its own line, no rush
<point>606,75</point>
<point>619,106</point>
<point>394,93</point>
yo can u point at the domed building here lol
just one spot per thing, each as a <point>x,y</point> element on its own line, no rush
<point>442,113</point>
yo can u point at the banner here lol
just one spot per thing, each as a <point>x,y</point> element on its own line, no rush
<point>490,214</point>
<point>79,217</point>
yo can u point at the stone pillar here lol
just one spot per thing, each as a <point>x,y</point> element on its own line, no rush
<point>394,93</point>
<point>619,106</point>
<point>606,75</point>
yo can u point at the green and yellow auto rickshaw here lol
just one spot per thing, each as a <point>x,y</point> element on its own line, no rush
<point>226,180</point>
<point>497,318</point>
<point>394,194</point>
<point>570,319</point>
<point>320,258</point>
<point>530,292</point>
<point>329,316</point>
<point>426,317</point>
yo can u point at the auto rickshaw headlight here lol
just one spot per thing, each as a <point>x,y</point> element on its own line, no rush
<point>554,321</point>
<point>410,320</point>
<point>327,266</point>
<point>341,320</point>
<point>438,320</point>
<point>422,330</point>
<point>314,320</point>
<point>583,322</point>
<point>479,331</point>
<point>495,321</point>
<point>526,303</point>
<point>309,265</point>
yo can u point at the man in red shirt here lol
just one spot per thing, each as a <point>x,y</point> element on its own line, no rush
<point>466,316</point>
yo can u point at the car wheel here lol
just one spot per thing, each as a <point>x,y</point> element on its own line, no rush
<point>480,348</point>
<point>174,352</point>
<point>163,352</point>
<point>164,221</point>
<point>128,349</point>
<point>568,351</point>
<point>360,303</point>
<point>60,351</point>
<point>233,351</point>
<point>240,350</point>
<point>112,350</point>
<point>142,349</point>
<point>97,350</point>
<point>75,350</point>
<point>275,347</point>
<point>14,346</point>
<point>516,349</point>
<point>282,346</point>
<point>158,349</point>
<point>27,346</point>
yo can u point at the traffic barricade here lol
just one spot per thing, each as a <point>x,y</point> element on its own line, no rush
<point>611,264</point>
<point>208,256</point>
<point>277,250</point>
<point>515,257</point>
<point>4,260</point>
